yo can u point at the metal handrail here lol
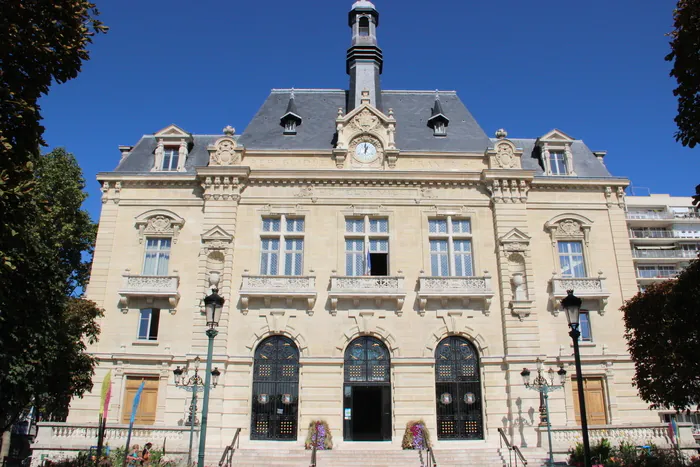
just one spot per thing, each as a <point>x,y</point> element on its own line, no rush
<point>227,456</point>
<point>313,455</point>
<point>429,454</point>
<point>518,453</point>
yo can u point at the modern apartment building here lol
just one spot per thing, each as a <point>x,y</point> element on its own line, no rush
<point>664,235</point>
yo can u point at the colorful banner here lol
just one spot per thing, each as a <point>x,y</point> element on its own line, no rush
<point>137,399</point>
<point>106,393</point>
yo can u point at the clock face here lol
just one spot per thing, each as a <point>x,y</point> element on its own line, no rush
<point>365,152</point>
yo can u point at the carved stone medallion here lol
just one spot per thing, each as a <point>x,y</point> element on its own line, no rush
<point>365,121</point>
<point>504,156</point>
<point>225,154</point>
<point>569,228</point>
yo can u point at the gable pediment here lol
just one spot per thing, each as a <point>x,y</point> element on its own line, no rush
<point>556,136</point>
<point>216,234</point>
<point>515,235</point>
<point>172,131</point>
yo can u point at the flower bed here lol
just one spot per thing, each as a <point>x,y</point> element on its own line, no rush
<point>416,435</point>
<point>319,436</point>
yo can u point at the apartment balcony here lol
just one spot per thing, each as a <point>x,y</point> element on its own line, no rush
<point>664,254</point>
<point>378,288</point>
<point>289,288</point>
<point>663,215</point>
<point>150,288</point>
<point>656,274</point>
<point>663,234</point>
<point>464,288</point>
<point>586,288</point>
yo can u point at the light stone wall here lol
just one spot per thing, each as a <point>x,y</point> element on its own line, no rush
<point>506,342</point>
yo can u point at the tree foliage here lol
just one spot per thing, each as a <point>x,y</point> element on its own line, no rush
<point>43,329</point>
<point>663,335</point>
<point>685,55</point>
<point>42,41</point>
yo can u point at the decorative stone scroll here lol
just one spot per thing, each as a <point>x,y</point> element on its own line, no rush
<point>159,222</point>
<point>508,191</point>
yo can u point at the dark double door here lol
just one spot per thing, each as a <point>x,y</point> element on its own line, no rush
<point>275,390</point>
<point>458,390</point>
<point>367,391</point>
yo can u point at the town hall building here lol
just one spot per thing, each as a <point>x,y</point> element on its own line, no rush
<point>382,260</point>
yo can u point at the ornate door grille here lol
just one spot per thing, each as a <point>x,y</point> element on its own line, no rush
<point>275,390</point>
<point>367,361</point>
<point>458,390</point>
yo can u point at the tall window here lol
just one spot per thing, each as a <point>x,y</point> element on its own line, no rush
<point>585,326</point>
<point>450,247</point>
<point>286,232</point>
<point>366,246</point>
<point>571,259</point>
<point>170,159</point>
<point>364,26</point>
<point>557,163</point>
<point>148,324</point>
<point>157,256</point>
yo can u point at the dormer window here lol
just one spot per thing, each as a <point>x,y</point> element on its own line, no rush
<point>291,119</point>
<point>439,129</point>
<point>364,26</point>
<point>290,127</point>
<point>557,163</point>
<point>438,121</point>
<point>171,157</point>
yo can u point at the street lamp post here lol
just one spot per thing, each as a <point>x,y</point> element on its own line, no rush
<point>194,383</point>
<point>544,387</point>
<point>213,304</point>
<point>572,306</point>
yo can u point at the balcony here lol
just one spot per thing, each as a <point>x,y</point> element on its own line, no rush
<point>586,288</point>
<point>663,233</point>
<point>653,274</point>
<point>458,287</point>
<point>378,288</point>
<point>285,287</point>
<point>149,287</point>
<point>664,254</point>
<point>649,215</point>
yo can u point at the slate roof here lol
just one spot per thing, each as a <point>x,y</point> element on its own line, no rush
<point>319,109</point>
<point>585,162</point>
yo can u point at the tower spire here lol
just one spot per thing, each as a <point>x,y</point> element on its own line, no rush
<point>364,59</point>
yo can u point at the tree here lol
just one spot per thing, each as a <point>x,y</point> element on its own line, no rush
<point>43,41</point>
<point>663,335</point>
<point>43,326</point>
<point>685,55</point>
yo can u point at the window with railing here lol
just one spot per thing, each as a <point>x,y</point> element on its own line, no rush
<point>571,259</point>
<point>366,246</point>
<point>157,256</point>
<point>450,247</point>
<point>286,233</point>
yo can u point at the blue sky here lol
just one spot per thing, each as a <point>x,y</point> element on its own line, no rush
<point>593,69</point>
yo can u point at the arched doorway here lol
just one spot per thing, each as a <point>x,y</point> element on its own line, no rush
<point>367,391</point>
<point>275,390</point>
<point>458,390</point>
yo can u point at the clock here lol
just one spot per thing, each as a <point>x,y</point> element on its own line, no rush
<point>365,152</point>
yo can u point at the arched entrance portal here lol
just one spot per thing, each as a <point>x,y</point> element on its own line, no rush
<point>275,390</point>
<point>367,391</point>
<point>458,390</point>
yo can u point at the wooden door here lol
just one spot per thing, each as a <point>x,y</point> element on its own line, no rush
<point>595,401</point>
<point>146,413</point>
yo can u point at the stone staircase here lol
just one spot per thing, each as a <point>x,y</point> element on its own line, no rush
<point>367,457</point>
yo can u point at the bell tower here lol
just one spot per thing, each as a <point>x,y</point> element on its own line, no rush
<point>364,60</point>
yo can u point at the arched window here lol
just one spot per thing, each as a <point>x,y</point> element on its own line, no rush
<point>458,390</point>
<point>367,360</point>
<point>364,26</point>
<point>275,390</point>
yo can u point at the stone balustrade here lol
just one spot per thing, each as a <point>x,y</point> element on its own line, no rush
<point>59,440</point>
<point>367,287</point>
<point>285,287</point>
<point>136,285</point>
<point>459,287</point>
<point>564,438</point>
<point>592,288</point>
